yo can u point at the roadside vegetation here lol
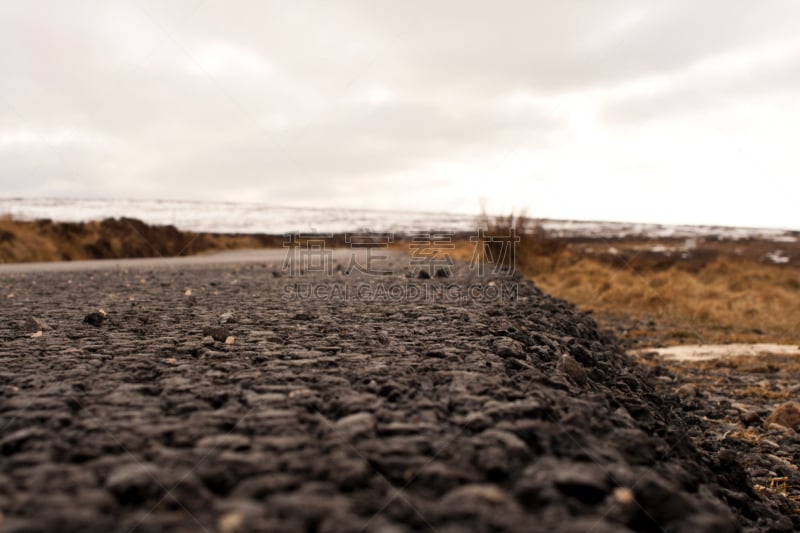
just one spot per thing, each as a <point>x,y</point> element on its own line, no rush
<point>668,291</point>
<point>45,240</point>
<point>649,291</point>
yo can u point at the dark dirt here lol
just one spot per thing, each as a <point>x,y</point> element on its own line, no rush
<point>748,406</point>
<point>645,254</point>
<point>333,411</point>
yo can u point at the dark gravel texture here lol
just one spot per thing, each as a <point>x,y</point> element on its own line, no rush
<point>748,409</point>
<point>236,407</point>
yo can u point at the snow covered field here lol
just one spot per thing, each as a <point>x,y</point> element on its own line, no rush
<point>225,217</point>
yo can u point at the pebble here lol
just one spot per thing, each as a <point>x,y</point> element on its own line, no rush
<point>508,347</point>
<point>355,425</point>
<point>623,495</point>
<point>749,417</point>
<point>218,333</point>
<point>208,340</point>
<point>95,318</point>
<point>134,483</point>
<point>230,522</point>
<point>15,442</point>
<point>224,442</point>
<point>572,368</point>
<point>786,415</point>
<point>35,324</point>
<point>477,492</point>
<point>588,483</point>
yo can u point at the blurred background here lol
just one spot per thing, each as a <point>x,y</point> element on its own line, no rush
<point>678,113</point>
<point>652,146</point>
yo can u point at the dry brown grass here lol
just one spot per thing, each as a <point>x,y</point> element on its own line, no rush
<point>748,435</point>
<point>725,301</point>
<point>20,242</point>
<point>714,296</point>
<point>44,240</point>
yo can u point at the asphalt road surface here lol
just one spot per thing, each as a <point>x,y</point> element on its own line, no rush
<point>226,393</point>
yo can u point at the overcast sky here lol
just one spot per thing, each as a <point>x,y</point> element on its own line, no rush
<point>678,111</point>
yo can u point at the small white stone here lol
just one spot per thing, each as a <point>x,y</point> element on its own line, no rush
<point>623,495</point>
<point>208,340</point>
<point>230,522</point>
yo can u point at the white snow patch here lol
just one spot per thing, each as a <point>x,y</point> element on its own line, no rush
<point>705,352</point>
<point>778,257</point>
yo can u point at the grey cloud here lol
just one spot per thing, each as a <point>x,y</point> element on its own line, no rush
<point>771,79</point>
<point>352,145</point>
<point>563,46</point>
<point>49,171</point>
<point>174,116</point>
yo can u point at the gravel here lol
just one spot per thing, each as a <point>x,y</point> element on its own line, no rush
<point>342,412</point>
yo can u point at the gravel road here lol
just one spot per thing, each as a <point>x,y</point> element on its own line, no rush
<point>234,396</point>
